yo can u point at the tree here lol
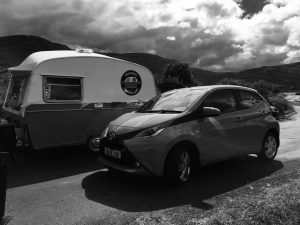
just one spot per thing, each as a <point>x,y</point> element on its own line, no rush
<point>177,76</point>
<point>181,73</point>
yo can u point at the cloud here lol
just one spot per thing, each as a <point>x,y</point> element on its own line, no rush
<point>210,34</point>
<point>171,38</point>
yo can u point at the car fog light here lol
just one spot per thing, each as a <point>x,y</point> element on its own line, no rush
<point>137,164</point>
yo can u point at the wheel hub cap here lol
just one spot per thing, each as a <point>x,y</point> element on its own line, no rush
<point>270,146</point>
<point>184,166</point>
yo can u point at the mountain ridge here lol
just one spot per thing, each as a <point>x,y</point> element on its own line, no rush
<point>14,49</point>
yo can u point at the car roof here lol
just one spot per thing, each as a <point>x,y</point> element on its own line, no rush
<point>207,88</point>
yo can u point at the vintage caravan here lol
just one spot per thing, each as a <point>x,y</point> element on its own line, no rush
<point>62,98</point>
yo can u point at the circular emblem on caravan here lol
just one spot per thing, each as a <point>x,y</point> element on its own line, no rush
<point>131,82</point>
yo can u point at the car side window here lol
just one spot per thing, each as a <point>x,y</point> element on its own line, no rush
<point>221,99</point>
<point>248,100</point>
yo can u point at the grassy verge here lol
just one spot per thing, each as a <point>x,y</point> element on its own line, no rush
<point>273,201</point>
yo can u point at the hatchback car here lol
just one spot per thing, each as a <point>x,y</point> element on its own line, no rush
<point>177,131</point>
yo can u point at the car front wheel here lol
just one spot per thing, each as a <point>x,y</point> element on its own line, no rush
<point>269,147</point>
<point>178,166</point>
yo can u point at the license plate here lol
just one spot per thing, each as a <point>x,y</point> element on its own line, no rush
<point>112,152</point>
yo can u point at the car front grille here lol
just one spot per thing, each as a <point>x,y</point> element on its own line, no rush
<point>127,158</point>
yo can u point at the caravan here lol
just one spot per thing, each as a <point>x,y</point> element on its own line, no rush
<point>63,98</point>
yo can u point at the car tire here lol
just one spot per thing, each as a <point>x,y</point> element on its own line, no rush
<point>178,166</point>
<point>93,144</point>
<point>269,147</point>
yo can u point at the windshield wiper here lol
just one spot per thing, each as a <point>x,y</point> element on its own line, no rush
<point>160,111</point>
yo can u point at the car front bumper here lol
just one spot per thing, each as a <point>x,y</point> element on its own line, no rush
<point>128,169</point>
<point>148,152</point>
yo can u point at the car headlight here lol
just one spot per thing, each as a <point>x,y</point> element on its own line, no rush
<point>104,133</point>
<point>151,132</point>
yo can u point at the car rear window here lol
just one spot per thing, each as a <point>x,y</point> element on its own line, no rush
<point>248,100</point>
<point>223,100</point>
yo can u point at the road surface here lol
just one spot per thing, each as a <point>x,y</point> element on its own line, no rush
<point>68,186</point>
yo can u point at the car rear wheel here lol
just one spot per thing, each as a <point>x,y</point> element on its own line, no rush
<point>178,166</point>
<point>269,147</point>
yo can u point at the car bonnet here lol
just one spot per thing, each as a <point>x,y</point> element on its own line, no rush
<point>143,120</point>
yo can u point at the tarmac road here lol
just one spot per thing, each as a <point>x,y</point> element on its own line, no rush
<point>68,186</point>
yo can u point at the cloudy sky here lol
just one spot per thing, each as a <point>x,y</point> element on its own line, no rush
<point>220,35</point>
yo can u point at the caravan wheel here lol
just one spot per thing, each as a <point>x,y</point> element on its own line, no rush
<point>93,143</point>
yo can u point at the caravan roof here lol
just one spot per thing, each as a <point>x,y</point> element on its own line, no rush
<point>37,58</point>
<point>103,78</point>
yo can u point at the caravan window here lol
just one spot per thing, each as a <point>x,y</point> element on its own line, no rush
<point>16,92</point>
<point>4,82</point>
<point>62,88</point>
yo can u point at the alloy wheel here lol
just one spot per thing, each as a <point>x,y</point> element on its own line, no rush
<point>184,166</point>
<point>270,146</point>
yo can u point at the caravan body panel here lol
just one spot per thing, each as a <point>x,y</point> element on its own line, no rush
<point>64,97</point>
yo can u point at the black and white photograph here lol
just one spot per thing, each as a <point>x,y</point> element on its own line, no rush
<point>139,112</point>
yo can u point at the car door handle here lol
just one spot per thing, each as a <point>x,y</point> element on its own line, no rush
<point>262,113</point>
<point>238,120</point>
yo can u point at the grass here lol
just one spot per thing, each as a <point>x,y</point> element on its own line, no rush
<point>271,201</point>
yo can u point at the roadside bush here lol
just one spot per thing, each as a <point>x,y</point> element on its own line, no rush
<point>284,106</point>
<point>263,87</point>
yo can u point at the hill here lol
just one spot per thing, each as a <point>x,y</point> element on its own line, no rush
<point>285,76</point>
<point>155,63</point>
<point>14,49</point>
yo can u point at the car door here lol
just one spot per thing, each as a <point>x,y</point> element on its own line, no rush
<point>254,112</point>
<point>221,136</point>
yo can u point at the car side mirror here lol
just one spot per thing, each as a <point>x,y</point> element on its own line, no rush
<point>210,111</point>
<point>275,112</point>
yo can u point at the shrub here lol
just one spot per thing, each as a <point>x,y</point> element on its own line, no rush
<point>284,106</point>
<point>263,87</point>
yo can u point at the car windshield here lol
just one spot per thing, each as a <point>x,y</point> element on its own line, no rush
<point>172,102</point>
